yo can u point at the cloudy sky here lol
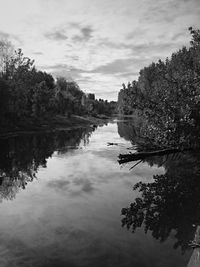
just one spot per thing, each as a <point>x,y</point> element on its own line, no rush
<point>98,43</point>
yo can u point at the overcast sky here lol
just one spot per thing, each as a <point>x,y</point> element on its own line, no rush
<point>98,43</point>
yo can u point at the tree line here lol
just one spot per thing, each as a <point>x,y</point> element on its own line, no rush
<point>167,95</point>
<point>165,105</point>
<point>27,93</point>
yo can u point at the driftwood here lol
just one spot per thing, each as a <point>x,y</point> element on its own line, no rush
<point>124,158</point>
<point>195,244</point>
<point>112,144</point>
<point>118,144</point>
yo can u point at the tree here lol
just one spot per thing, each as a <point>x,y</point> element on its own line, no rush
<point>68,95</point>
<point>63,97</point>
<point>167,94</point>
<point>4,97</point>
<point>42,95</point>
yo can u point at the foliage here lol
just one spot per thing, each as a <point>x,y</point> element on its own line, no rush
<point>104,107</point>
<point>26,93</point>
<point>167,95</point>
<point>68,97</point>
<point>41,99</point>
<point>4,97</point>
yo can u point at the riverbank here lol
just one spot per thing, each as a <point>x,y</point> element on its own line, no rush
<point>50,124</point>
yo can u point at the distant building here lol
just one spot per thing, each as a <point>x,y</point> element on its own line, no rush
<point>83,100</point>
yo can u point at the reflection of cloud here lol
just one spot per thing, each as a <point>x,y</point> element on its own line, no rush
<point>75,186</point>
<point>85,184</point>
<point>59,184</point>
<point>14,252</point>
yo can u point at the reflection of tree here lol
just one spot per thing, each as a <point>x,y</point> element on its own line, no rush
<point>170,202</point>
<point>20,157</point>
<point>126,130</point>
<point>133,130</point>
<point>150,136</point>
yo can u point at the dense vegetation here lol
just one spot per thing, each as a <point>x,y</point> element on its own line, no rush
<point>165,105</point>
<point>167,96</point>
<point>29,94</point>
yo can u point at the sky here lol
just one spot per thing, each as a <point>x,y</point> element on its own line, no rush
<point>98,43</point>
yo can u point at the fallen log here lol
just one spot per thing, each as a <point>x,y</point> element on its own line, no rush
<point>124,158</point>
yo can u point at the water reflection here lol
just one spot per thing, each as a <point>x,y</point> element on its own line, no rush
<point>21,156</point>
<point>70,215</point>
<point>127,130</point>
<point>171,202</point>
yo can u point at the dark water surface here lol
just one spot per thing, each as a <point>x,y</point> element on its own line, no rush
<point>61,199</point>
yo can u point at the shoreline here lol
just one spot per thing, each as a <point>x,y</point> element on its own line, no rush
<point>57,123</point>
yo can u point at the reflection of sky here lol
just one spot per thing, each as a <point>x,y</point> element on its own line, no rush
<point>70,215</point>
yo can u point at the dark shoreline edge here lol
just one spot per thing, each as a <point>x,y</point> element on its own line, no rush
<point>52,125</point>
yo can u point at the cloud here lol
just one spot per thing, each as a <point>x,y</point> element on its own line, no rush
<point>87,32</point>
<point>138,32</point>
<point>75,58</point>
<point>110,94</point>
<point>120,66</point>
<point>105,42</point>
<point>179,35</point>
<point>85,35</point>
<point>144,48</point>
<point>154,48</point>
<point>100,44</point>
<point>54,67</point>
<point>160,12</point>
<point>64,70</point>
<point>117,66</point>
<point>128,74</point>
<point>15,40</point>
<point>38,53</point>
<point>56,36</point>
<point>4,35</point>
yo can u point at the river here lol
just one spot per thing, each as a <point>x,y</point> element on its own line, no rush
<point>61,199</point>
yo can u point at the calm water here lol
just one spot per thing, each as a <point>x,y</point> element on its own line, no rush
<point>61,199</point>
